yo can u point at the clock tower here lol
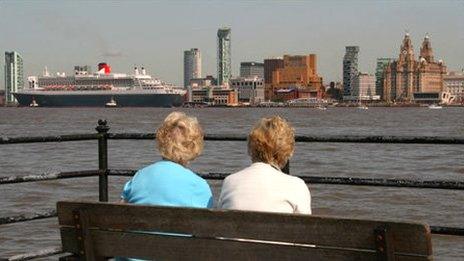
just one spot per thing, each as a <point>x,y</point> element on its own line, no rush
<point>407,76</point>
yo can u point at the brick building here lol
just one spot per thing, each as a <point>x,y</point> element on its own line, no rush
<point>298,72</point>
<point>408,79</point>
<point>270,66</point>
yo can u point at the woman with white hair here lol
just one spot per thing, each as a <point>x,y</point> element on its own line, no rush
<point>263,186</point>
<point>169,182</point>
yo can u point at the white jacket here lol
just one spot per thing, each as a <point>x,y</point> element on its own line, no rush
<point>261,187</point>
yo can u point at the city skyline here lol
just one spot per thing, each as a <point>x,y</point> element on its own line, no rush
<point>65,35</point>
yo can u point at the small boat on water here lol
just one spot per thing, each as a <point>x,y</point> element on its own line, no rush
<point>322,108</point>
<point>435,106</point>
<point>111,103</point>
<point>34,103</point>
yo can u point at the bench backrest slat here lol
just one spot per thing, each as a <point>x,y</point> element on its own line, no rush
<point>407,239</point>
<point>159,247</point>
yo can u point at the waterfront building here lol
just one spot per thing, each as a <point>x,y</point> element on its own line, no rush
<point>334,91</point>
<point>213,95</point>
<point>362,88</point>
<point>252,69</point>
<point>454,86</point>
<point>408,79</point>
<point>382,64</point>
<point>209,80</point>
<point>250,90</point>
<point>270,66</point>
<point>14,76</point>
<point>224,63</point>
<point>192,65</point>
<point>2,97</point>
<point>350,68</point>
<point>291,93</point>
<point>299,72</point>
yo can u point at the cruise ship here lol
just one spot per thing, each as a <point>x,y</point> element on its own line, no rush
<point>99,89</point>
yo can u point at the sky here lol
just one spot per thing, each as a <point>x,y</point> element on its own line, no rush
<point>61,34</point>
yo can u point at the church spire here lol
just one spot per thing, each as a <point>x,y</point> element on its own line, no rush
<point>426,49</point>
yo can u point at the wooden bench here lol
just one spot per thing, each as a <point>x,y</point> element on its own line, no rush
<point>96,231</point>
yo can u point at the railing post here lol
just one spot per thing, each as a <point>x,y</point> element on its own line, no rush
<point>102,130</point>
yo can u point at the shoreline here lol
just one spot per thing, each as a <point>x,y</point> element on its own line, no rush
<point>311,106</point>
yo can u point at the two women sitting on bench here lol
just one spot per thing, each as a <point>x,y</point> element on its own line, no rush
<point>259,187</point>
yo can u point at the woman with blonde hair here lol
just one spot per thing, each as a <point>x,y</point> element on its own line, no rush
<point>169,182</point>
<point>263,186</point>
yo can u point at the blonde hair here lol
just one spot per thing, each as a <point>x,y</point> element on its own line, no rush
<point>272,141</point>
<point>180,138</point>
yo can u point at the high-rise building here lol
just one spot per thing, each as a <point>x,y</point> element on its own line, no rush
<point>14,75</point>
<point>224,63</point>
<point>270,66</point>
<point>251,69</point>
<point>382,64</point>
<point>350,68</point>
<point>299,73</point>
<point>192,65</point>
<point>407,79</point>
<point>363,87</point>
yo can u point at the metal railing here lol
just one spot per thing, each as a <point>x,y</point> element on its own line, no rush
<point>103,172</point>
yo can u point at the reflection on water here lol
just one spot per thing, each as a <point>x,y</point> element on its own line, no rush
<point>436,207</point>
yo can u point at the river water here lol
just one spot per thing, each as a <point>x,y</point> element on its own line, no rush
<point>425,162</point>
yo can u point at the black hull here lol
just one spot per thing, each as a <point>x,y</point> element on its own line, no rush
<point>100,100</point>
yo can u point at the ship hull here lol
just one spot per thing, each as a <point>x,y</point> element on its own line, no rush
<point>100,99</point>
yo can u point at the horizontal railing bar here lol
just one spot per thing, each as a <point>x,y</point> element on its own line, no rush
<point>382,139</point>
<point>151,136</point>
<point>37,254</point>
<point>49,176</point>
<point>431,184</point>
<point>49,213</point>
<point>452,231</point>
<point>232,137</point>
<point>58,138</point>
<point>131,136</point>
<point>301,138</point>
<point>407,183</point>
